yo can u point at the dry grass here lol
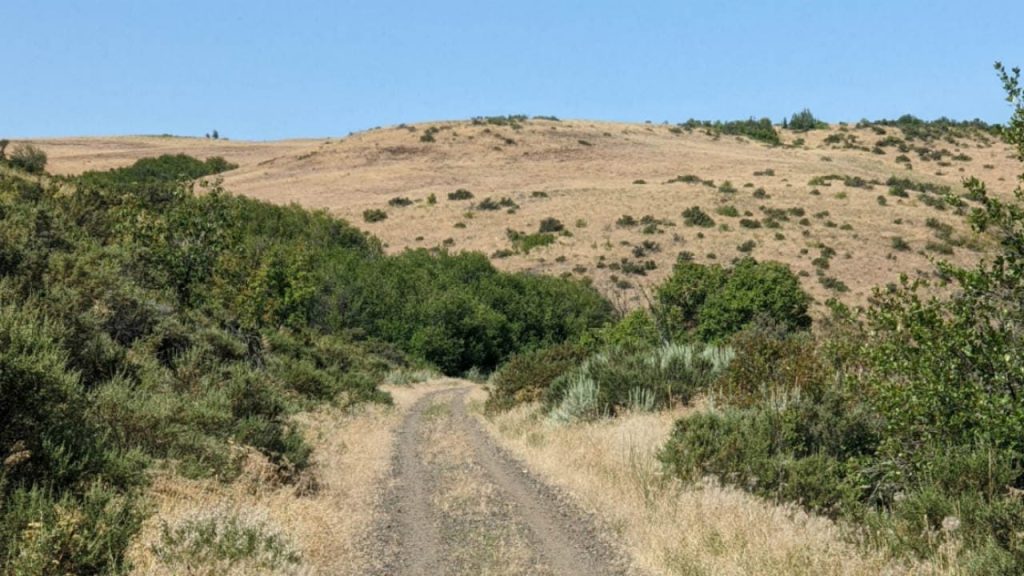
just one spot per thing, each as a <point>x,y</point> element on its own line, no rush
<point>326,526</point>
<point>594,184</point>
<point>610,467</point>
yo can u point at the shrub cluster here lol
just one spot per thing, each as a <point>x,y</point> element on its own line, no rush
<point>627,378</point>
<point>140,321</point>
<point>906,419</point>
<point>711,303</point>
<point>803,121</point>
<point>27,157</point>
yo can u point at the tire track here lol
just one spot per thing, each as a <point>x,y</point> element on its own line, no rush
<point>543,533</point>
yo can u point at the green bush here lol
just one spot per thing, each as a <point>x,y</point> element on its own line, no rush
<point>372,215</point>
<point>804,120</point>
<point>727,210</point>
<point>771,363</point>
<point>525,377</point>
<point>460,194</point>
<point>694,216</point>
<point>28,157</point>
<point>664,375</point>
<point>711,303</point>
<point>549,225</point>
<point>526,242</point>
<point>49,532</point>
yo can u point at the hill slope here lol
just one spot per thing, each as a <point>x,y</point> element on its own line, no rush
<point>588,175</point>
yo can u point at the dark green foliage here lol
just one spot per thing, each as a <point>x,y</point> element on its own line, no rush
<point>833,283</point>
<point>940,129</point>
<point>761,130</point>
<point>526,242</point>
<point>514,121</point>
<point>460,194</point>
<point>428,134</point>
<point>711,303</point>
<point>372,215</point>
<point>459,312</point>
<point>686,179</point>
<point>399,202</point>
<point>747,246</point>
<point>154,171</point>
<point>850,181</point>
<point>694,216</point>
<point>489,204</point>
<point>140,321</point>
<point>29,158</point>
<point>550,225</point>
<point>525,377</point>
<point>804,120</point>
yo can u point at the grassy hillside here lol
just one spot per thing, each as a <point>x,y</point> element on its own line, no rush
<point>147,324</point>
<point>903,421</point>
<point>619,192</point>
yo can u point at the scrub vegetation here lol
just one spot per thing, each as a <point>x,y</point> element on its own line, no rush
<point>150,322</point>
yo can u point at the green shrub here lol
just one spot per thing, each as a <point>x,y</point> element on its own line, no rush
<point>460,194</point>
<point>667,375</point>
<point>400,202</point>
<point>804,120</point>
<point>525,377</point>
<point>746,247</point>
<point>140,321</point>
<point>372,215</point>
<point>526,242</point>
<point>727,210</point>
<point>694,216</point>
<point>28,157</point>
<point>548,225</point>
<point>50,532</point>
<point>711,303</point>
<point>224,543</point>
<point>771,363</point>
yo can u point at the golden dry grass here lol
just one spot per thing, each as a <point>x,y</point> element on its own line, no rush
<point>611,468</point>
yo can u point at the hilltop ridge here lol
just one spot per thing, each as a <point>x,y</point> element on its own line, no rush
<point>848,207</point>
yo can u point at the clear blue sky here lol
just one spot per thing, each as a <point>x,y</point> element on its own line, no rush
<point>263,70</point>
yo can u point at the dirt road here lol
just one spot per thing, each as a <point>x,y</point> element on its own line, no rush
<point>457,504</point>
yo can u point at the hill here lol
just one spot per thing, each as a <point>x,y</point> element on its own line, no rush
<point>847,207</point>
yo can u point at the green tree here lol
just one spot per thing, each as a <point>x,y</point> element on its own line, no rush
<point>804,120</point>
<point>711,303</point>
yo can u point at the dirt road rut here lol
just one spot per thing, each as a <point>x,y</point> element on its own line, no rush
<point>458,504</point>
